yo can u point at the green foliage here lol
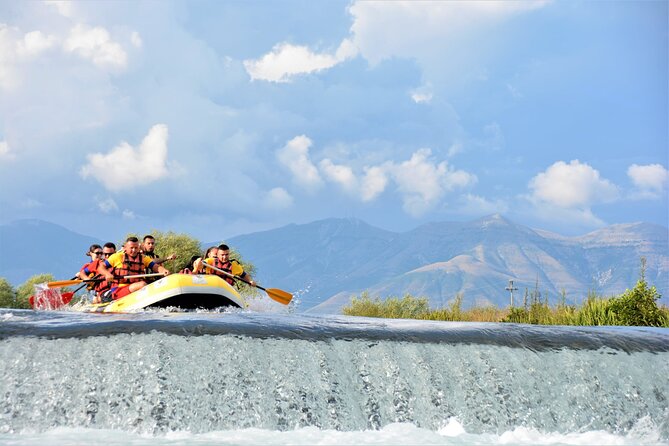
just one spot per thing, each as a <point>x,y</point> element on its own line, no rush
<point>407,307</point>
<point>638,307</point>
<point>27,289</point>
<point>7,294</point>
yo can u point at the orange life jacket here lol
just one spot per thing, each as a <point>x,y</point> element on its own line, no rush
<point>130,267</point>
<point>225,266</point>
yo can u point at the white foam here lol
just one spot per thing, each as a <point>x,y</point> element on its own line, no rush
<point>453,433</point>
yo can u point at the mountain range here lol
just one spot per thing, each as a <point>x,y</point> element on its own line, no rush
<point>326,262</point>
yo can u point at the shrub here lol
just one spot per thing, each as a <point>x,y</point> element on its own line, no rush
<point>7,294</point>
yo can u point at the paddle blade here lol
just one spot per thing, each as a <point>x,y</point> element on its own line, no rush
<point>280,296</point>
<point>49,299</point>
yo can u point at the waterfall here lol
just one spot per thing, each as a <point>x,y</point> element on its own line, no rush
<point>199,374</point>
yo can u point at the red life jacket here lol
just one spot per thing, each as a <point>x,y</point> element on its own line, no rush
<point>225,266</point>
<point>130,267</point>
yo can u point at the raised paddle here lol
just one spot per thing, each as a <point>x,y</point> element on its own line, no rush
<point>62,283</point>
<point>283,297</point>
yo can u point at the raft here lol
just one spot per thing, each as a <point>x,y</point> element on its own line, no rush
<point>183,291</point>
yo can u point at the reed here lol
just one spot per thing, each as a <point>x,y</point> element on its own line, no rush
<point>627,309</point>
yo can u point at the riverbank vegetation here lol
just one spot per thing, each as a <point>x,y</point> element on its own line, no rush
<point>635,307</point>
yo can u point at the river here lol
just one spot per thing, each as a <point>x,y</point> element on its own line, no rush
<point>159,378</point>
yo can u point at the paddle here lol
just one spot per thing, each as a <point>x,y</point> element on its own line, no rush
<point>65,299</point>
<point>62,283</point>
<point>283,297</point>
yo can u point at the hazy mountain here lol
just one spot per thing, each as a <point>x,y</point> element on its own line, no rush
<point>326,262</point>
<point>29,247</point>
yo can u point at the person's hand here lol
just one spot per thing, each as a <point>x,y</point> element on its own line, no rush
<point>109,277</point>
<point>172,257</point>
<point>165,272</point>
<point>196,264</point>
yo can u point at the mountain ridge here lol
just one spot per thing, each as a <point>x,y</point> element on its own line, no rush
<point>325,262</point>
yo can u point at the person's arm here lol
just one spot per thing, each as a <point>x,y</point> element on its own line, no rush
<point>102,270</point>
<point>155,267</point>
<point>160,261</point>
<point>238,270</point>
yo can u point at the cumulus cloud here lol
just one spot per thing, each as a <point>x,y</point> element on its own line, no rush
<point>17,49</point>
<point>650,179</point>
<point>34,43</point>
<point>5,152</point>
<point>107,205</point>
<point>423,183</point>
<point>422,95</point>
<point>426,26</point>
<point>126,167</point>
<point>286,61</point>
<point>340,174</point>
<point>95,44</point>
<point>64,7</point>
<point>295,157</point>
<point>476,205</point>
<point>278,198</point>
<point>573,185</point>
<point>373,183</point>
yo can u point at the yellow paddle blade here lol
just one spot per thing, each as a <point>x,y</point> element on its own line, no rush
<point>280,296</point>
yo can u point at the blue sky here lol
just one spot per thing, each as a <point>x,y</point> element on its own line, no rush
<point>227,117</point>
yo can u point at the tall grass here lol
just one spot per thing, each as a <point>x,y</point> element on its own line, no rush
<point>634,307</point>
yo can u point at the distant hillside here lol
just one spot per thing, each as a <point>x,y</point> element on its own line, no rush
<point>29,247</point>
<point>326,262</point>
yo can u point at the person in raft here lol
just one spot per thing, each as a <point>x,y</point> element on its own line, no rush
<point>222,261</point>
<point>90,269</point>
<point>128,262</point>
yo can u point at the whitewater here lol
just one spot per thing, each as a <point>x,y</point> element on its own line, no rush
<point>239,377</point>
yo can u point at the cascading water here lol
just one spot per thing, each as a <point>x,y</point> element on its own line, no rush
<point>157,373</point>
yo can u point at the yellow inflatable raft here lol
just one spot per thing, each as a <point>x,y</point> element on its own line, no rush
<point>184,291</point>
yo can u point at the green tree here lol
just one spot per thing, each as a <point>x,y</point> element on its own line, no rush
<point>638,306</point>
<point>26,290</point>
<point>7,294</point>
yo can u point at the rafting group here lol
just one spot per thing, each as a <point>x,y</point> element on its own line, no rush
<point>112,274</point>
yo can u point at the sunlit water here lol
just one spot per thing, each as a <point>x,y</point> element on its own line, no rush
<point>161,378</point>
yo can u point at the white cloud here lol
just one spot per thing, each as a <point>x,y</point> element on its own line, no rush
<point>651,178</point>
<point>373,183</point>
<point>477,205</point>
<point>127,214</point>
<point>573,185</point>
<point>5,151</point>
<point>286,61</point>
<point>64,8</point>
<point>422,95</point>
<point>426,26</point>
<point>96,45</point>
<point>295,156</point>
<point>34,43</point>
<point>340,174</point>
<point>126,167</point>
<point>422,183</point>
<point>107,205</point>
<point>278,198</point>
